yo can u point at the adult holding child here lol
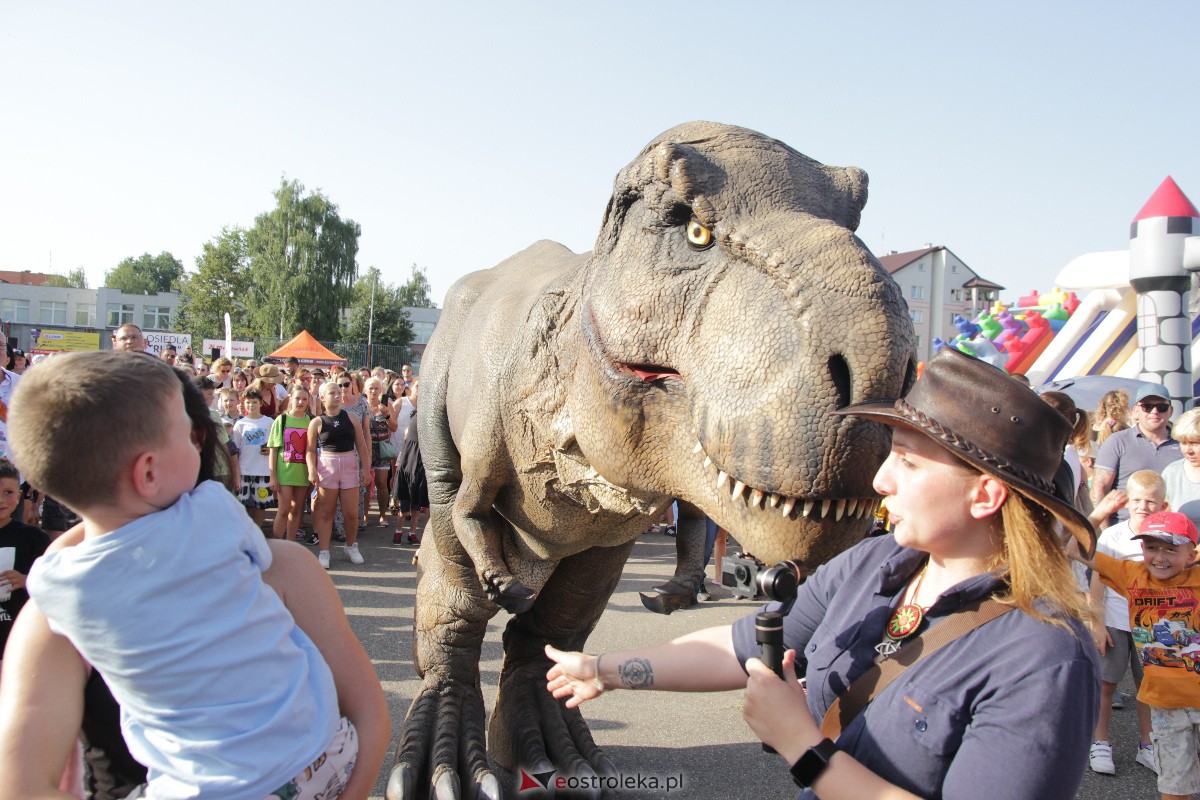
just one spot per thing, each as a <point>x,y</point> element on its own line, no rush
<point>974,514</point>
<point>295,712</point>
<point>338,470</point>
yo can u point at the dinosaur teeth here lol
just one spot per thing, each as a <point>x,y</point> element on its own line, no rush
<point>756,498</point>
<point>838,509</point>
<point>697,448</point>
<point>773,500</point>
<point>788,504</point>
<point>852,507</point>
<point>808,506</point>
<point>737,491</point>
<point>825,504</point>
<point>722,479</point>
<point>707,462</point>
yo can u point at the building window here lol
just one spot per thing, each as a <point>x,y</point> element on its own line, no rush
<point>954,314</point>
<point>917,293</point>
<point>957,295</point>
<point>954,267</point>
<point>14,310</point>
<point>85,315</point>
<point>52,313</point>
<point>916,316</point>
<point>156,318</point>
<point>917,343</point>
<point>119,314</point>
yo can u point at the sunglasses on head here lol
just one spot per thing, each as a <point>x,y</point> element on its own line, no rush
<point>1161,408</point>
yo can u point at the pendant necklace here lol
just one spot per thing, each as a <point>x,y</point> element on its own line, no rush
<point>904,621</point>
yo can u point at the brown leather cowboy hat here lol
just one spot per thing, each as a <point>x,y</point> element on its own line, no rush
<point>993,423</point>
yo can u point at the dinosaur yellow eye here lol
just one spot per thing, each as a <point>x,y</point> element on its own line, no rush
<point>698,235</point>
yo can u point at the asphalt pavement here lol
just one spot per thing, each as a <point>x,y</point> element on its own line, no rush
<point>697,742</point>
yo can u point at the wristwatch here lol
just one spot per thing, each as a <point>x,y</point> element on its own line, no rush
<point>809,766</point>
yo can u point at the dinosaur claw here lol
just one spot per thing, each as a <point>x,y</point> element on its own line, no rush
<point>401,784</point>
<point>446,787</point>
<point>516,598</point>
<point>489,788</point>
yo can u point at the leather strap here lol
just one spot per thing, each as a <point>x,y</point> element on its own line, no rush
<point>877,678</point>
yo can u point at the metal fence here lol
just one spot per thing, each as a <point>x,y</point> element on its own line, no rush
<point>389,356</point>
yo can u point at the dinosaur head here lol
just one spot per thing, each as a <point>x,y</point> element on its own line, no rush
<point>728,308</point>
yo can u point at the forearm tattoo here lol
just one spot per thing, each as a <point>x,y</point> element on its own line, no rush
<point>636,673</point>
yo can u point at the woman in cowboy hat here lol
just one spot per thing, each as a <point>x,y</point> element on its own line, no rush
<point>1006,703</point>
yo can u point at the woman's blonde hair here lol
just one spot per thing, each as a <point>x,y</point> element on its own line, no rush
<point>1187,427</point>
<point>1032,560</point>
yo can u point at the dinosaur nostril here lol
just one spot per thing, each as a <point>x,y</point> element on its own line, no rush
<point>839,372</point>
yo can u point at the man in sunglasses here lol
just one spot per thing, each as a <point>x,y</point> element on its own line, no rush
<point>1147,445</point>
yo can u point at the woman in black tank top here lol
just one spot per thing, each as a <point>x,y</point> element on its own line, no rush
<point>342,465</point>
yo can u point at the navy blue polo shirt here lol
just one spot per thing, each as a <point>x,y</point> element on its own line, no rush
<point>1009,706</point>
<point>1127,451</point>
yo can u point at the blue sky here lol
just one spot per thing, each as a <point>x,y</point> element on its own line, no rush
<point>1019,135</point>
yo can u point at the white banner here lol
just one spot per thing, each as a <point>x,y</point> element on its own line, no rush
<point>240,349</point>
<point>157,341</point>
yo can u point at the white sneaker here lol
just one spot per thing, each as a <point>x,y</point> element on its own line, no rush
<point>1146,758</point>
<point>352,554</point>
<point>1100,758</point>
<point>323,557</point>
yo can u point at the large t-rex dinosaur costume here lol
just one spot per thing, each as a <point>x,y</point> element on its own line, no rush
<point>566,399</point>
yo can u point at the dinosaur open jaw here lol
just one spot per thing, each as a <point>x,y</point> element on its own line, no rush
<point>813,508</point>
<point>650,372</point>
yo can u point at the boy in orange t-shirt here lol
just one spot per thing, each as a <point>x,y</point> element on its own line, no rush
<point>1163,591</point>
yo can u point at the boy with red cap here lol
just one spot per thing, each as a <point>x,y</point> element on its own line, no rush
<point>1164,616</point>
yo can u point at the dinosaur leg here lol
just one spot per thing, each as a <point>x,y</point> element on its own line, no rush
<point>680,591</point>
<point>441,746</point>
<point>529,728</point>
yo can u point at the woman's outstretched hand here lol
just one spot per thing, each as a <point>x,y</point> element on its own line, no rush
<point>572,676</point>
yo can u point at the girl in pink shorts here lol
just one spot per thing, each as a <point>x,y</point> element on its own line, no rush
<point>338,463</point>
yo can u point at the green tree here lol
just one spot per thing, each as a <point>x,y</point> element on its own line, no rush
<point>415,291</point>
<point>391,323</point>
<point>75,279</point>
<point>219,285</point>
<point>302,265</point>
<point>146,274</point>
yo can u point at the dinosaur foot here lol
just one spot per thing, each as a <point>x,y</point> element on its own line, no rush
<point>671,596</point>
<point>441,747</point>
<point>533,733</point>
<point>509,593</point>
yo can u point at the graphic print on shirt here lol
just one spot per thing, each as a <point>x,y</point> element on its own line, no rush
<point>295,445</point>
<point>254,437</point>
<point>1164,627</point>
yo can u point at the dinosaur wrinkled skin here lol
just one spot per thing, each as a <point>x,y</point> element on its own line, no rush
<point>696,353</point>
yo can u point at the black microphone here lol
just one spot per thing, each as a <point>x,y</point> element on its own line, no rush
<point>768,632</point>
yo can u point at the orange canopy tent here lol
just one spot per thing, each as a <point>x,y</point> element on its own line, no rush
<point>308,351</point>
